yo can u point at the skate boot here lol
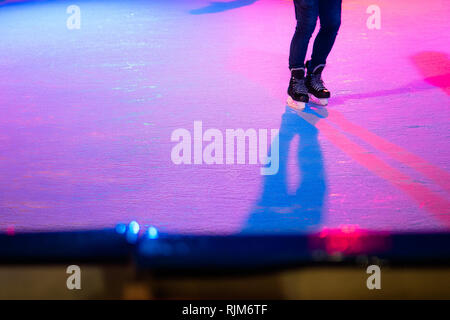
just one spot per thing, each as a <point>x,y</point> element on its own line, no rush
<point>297,91</point>
<point>318,93</point>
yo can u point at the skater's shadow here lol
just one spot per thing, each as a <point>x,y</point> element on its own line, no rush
<point>278,211</point>
<point>215,7</point>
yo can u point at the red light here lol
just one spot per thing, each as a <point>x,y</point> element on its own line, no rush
<point>10,231</point>
<point>348,239</point>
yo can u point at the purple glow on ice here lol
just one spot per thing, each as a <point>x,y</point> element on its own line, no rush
<point>87,117</point>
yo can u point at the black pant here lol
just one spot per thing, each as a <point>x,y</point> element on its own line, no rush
<point>306,13</point>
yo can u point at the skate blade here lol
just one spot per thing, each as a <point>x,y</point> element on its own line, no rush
<point>318,101</point>
<point>296,105</point>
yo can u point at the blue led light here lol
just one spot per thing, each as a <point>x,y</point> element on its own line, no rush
<point>132,232</point>
<point>121,228</point>
<point>152,233</point>
<point>133,227</point>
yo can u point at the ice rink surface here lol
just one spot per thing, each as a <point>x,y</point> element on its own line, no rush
<point>87,115</point>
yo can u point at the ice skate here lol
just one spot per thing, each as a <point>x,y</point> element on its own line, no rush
<point>317,91</point>
<point>297,91</point>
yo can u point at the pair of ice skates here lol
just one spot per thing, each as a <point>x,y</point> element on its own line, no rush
<point>303,89</point>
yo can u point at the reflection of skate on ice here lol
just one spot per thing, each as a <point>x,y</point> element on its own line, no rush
<point>297,91</point>
<point>318,101</point>
<point>318,93</point>
<point>297,105</point>
<point>310,115</point>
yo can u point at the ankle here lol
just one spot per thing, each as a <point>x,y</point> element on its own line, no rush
<point>314,68</point>
<point>298,73</point>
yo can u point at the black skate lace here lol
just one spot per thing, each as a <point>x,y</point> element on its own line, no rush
<point>317,82</point>
<point>299,86</point>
